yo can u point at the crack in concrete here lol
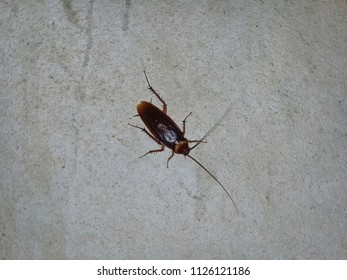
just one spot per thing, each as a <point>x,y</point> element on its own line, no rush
<point>89,35</point>
<point>70,13</point>
<point>125,25</point>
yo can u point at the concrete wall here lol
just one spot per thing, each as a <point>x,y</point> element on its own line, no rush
<point>72,183</point>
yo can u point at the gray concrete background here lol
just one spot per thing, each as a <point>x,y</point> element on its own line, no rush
<point>72,185</point>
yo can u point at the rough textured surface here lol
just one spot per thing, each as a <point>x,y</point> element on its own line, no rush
<point>72,186</point>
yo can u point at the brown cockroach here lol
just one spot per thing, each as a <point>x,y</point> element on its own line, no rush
<point>164,131</point>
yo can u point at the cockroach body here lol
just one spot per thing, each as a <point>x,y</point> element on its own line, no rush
<point>164,131</point>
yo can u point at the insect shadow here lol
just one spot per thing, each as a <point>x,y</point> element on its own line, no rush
<point>166,133</point>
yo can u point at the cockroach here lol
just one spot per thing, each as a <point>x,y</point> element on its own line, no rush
<point>164,131</point>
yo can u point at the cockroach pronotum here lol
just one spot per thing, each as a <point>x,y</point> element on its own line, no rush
<point>164,131</point>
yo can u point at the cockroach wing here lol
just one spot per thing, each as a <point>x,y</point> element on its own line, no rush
<point>160,125</point>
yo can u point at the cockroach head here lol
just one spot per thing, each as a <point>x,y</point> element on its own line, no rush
<point>182,147</point>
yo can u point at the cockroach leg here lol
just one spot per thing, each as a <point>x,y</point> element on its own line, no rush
<point>184,123</point>
<point>156,94</point>
<point>154,151</point>
<point>167,163</point>
<point>151,136</point>
<point>145,131</point>
<point>184,131</point>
